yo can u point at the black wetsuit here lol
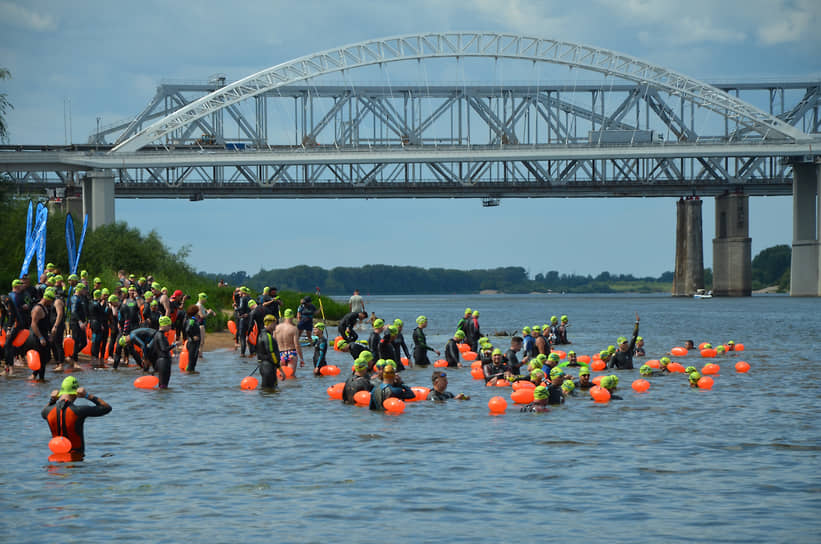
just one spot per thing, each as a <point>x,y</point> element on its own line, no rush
<point>79,313</point>
<point>161,355</point>
<point>128,319</point>
<point>624,359</point>
<point>353,385</point>
<point>268,359</point>
<point>67,419</point>
<point>380,394</point>
<point>18,319</point>
<point>59,326</point>
<point>373,342</point>
<point>473,333</point>
<point>346,327</point>
<point>491,371</point>
<point>243,323</point>
<point>321,351</point>
<point>193,335</point>
<point>399,344</point>
<point>96,320</point>
<point>513,361</point>
<point>436,395</point>
<point>256,317</point>
<point>33,342</point>
<point>452,355</point>
<point>306,317</point>
<point>143,338</point>
<point>555,394</point>
<point>420,347</point>
<point>561,334</point>
<point>537,407</point>
<point>386,351</point>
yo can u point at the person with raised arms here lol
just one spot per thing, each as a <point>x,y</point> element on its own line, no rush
<point>66,418</point>
<point>623,357</point>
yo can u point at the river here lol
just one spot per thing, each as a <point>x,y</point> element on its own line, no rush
<point>207,462</point>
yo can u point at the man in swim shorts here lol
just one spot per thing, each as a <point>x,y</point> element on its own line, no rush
<point>287,337</point>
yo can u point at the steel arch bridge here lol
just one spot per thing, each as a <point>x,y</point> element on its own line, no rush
<point>646,130</point>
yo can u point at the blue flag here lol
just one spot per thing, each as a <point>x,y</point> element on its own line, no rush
<point>41,244</point>
<point>80,245</point>
<point>70,243</point>
<point>29,226</point>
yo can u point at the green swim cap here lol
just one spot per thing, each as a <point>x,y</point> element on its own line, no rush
<point>540,393</point>
<point>621,340</point>
<point>496,351</point>
<point>720,349</point>
<point>555,372</point>
<point>487,346</point>
<point>694,376</point>
<point>604,353</point>
<point>397,322</point>
<point>536,375</point>
<point>50,280</point>
<point>113,298</point>
<point>156,286</point>
<point>69,386</point>
<point>288,314</point>
<point>73,277</point>
<point>545,328</point>
<point>645,370</point>
<point>611,349</point>
<point>148,295</point>
<point>564,319</point>
<point>541,357</point>
<point>638,338</point>
<point>468,311</point>
<point>393,329</point>
<point>153,303</point>
<point>50,265</point>
<point>568,385</point>
<point>459,334</point>
<point>105,292</point>
<point>526,330</point>
<point>164,321</point>
<point>614,380</point>
<point>81,286</point>
<point>366,355</point>
<point>535,363</point>
<point>708,346</point>
<point>252,303</point>
<point>554,357</point>
<point>554,319</point>
<point>380,363</point>
<point>378,323</point>
<point>606,382</point>
<point>97,293</point>
<point>142,278</point>
<point>690,369</point>
<point>390,362</point>
<point>569,353</point>
<point>202,296</point>
<point>50,294</point>
<point>536,328</point>
<point>271,318</point>
<point>360,364</point>
<point>122,341</point>
<point>98,280</point>
<point>484,340</point>
<point>664,361</point>
<point>58,277</point>
<point>475,313</point>
<point>421,319</point>
<point>341,344</point>
<point>320,326</point>
<point>584,370</point>
<point>730,343</point>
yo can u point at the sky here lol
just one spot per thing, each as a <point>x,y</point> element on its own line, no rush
<point>107,59</point>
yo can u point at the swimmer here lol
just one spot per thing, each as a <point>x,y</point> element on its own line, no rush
<point>540,400</point>
<point>305,317</point>
<point>689,344</point>
<point>161,351</point>
<point>568,388</point>
<point>320,343</point>
<point>268,353</point>
<point>376,335</point>
<point>399,345</point>
<point>463,323</point>
<point>65,418</point>
<point>473,331</point>
<point>511,355</point>
<point>639,351</point>
<point>694,377</point>
<point>584,379</point>
<point>391,387</point>
<point>610,383</point>
<point>386,350</point>
<point>439,391</point>
<point>193,333</point>
<point>420,343</point>
<point>623,358</point>
<point>348,323</point>
<point>452,354</point>
<point>287,336</point>
<point>496,369</point>
<point>561,331</point>
<point>358,381</point>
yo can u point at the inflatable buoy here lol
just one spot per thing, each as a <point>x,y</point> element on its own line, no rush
<point>704,345</point>
<point>476,364</point>
<point>706,382</point>
<point>146,382</point>
<point>523,384</point>
<point>441,363</point>
<point>68,345</point>
<point>470,355</point>
<point>232,326</point>
<point>335,391</point>
<point>86,349</point>
<point>404,361</point>
<point>497,405</point>
<point>583,359</point>
<point>501,382</point>
<point>709,353</point>
<point>678,351</point>
<point>2,337</point>
<point>675,367</point>
<point>281,375</point>
<point>477,374</point>
<point>329,370</point>
<point>560,353</point>
<point>183,361</point>
<point>33,360</point>
<point>710,368</point>
<point>252,336</point>
<point>653,363</point>
<point>59,444</point>
<point>597,379</point>
<point>288,372</point>
<point>640,386</point>
<point>361,398</point>
<point>463,348</point>
<point>88,333</point>
<point>420,392</point>
<point>248,383</point>
<point>21,338</point>
<point>596,357</point>
<point>600,394</point>
<point>522,396</point>
<point>739,347</point>
<point>393,405</point>
<point>742,366</point>
<point>598,365</point>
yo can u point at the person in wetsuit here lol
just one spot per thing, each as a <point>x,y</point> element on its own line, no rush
<point>623,357</point>
<point>268,353</point>
<point>452,354</point>
<point>57,316</point>
<point>356,382</point>
<point>243,318</point>
<point>376,335</point>
<point>96,320</point>
<point>320,342</point>
<point>40,338</point>
<point>161,351</point>
<point>473,332</point>
<point>142,337</point>
<point>128,319</point>
<point>639,351</point>
<point>305,317</point>
<point>495,369</point>
<point>192,332</point>
<point>584,378</point>
<point>386,350</point>
<point>561,331</point>
<point>391,386</point>
<point>439,381</point>
<point>399,344</point>
<point>77,319</point>
<point>540,401</point>
<point>65,418</point>
<point>347,325</point>
<point>256,319</point>
<point>462,325</point>
<point>511,355</point>
<point>420,343</point>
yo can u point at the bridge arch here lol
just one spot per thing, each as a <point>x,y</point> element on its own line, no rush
<point>469,44</point>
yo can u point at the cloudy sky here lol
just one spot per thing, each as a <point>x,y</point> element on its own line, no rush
<point>107,59</point>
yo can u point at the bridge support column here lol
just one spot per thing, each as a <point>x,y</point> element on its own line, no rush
<point>98,198</point>
<point>805,279</point>
<point>689,273</point>
<point>732,247</point>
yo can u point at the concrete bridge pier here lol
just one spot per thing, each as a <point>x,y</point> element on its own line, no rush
<point>805,279</point>
<point>732,247</point>
<point>98,197</point>
<point>689,273</point>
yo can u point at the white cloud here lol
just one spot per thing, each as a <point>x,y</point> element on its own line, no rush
<point>23,17</point>
<point>793,23</point>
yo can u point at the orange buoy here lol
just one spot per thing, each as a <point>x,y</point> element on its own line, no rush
<point>501,382</point>
<point>678,351</point>
<point>470,355</point>
<point>597,379</point>
<point>288,372</point>
<point>596,357</point>
<point>21,338</point>
<point>441,363</point>
<point>59,444</point>
<point>598,365</point>
<point>420,392</point>
<point>523,384</point>
<point>87,349</point>
<point>404,361</point>
<point>68,345</point>
<point>183,360</point>
<point>2,337</point>
<point>702,346</point>
<point>335,391</point>
<point>742,366</point>
<point>600,394</point>
<point>281,375</point>
<point>705,382</point>
<point>252,336</point>
<point>653,363</point>
<point>709,353</point>
<point>675,367</point>
<point>393,405</point>
<point>476,364</point>
<point>232,326</point>
<point>497,405</point>
<point>361,398</point>
<point>522,396</point>
<point>33,360</point>
<point>739,347</point>
<point>146,382</point>
<point>248,383</point>
<point>641,385</point>
<point>477,374</point>
<point>463,348</point>
<point>583,359</point>
<point>88,333</point>
<point>560,353</point>
<point>710,368</point>
<point>329,370</point>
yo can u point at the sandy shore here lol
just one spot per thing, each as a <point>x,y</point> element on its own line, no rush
<point>218,340</point>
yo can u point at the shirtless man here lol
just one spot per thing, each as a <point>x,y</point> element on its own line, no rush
<point>287,336</point>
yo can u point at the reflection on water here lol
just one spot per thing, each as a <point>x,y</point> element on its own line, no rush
<point>208,461</point>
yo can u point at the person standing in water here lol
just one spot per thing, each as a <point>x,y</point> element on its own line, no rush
<point>420,343</point>
<point>65,418</point>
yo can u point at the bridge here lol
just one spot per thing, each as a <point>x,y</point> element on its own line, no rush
<point>313,127</point>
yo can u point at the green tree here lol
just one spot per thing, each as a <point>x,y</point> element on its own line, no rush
<point>769,265</point>
<point>5,106</point>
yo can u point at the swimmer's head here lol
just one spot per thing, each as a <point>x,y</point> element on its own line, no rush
<point>540,393</point>
<point>459,335</point>
<point>645,370</point>
<point>421,319</point>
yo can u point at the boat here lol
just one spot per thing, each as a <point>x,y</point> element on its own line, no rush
<point>700,293</point>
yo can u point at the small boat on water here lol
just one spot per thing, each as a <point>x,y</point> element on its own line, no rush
<point>700,293</point>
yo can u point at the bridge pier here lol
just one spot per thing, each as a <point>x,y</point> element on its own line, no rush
<point>732,247</point>
<point>98,197</point>
<point>689,273</point>
<point>805,279</point>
